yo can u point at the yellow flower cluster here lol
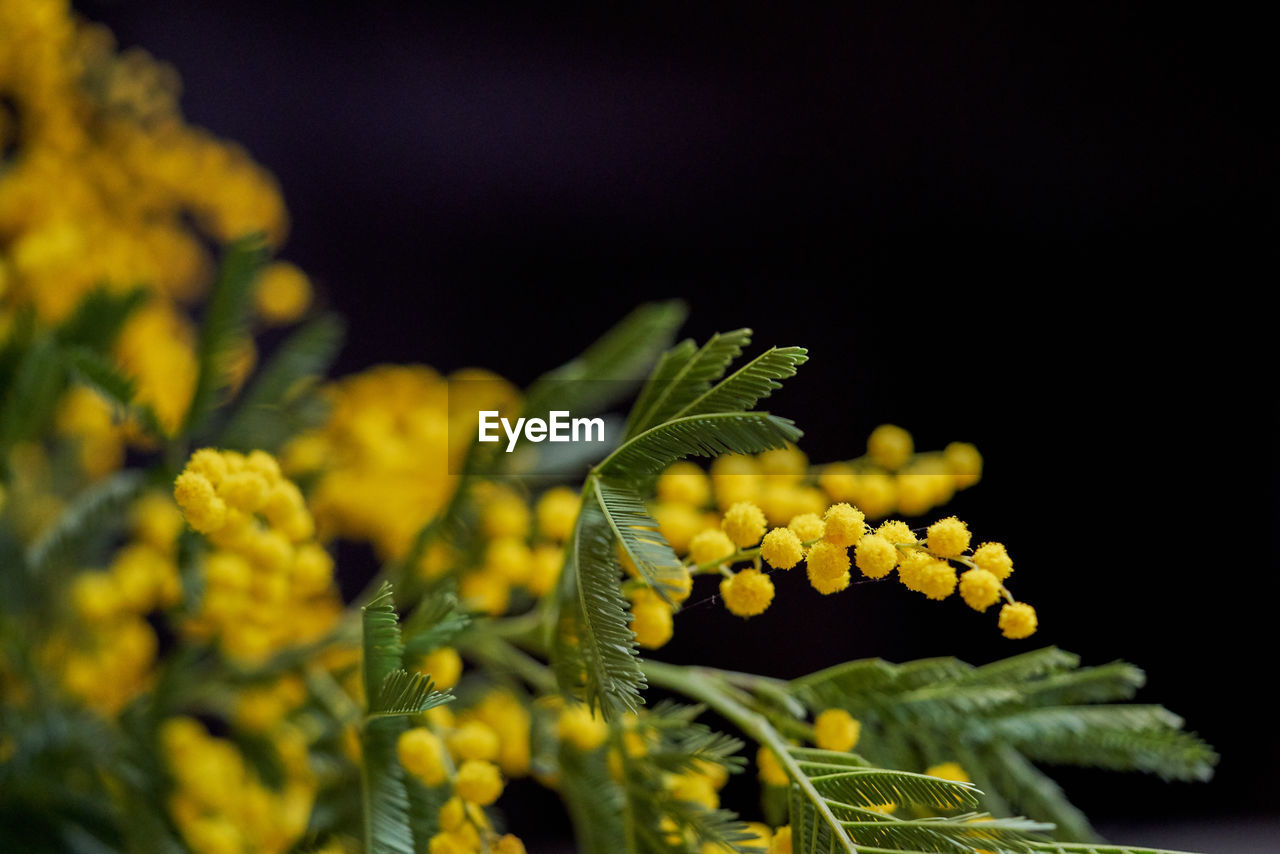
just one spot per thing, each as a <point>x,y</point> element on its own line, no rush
<point>523,548</point>
<point>471,755</point>
<point>102,183</point>
<point>267,584</point>
<point>110,659</point>
<point>221,806</point>
<point>829,539</point>
<point>386,458</point>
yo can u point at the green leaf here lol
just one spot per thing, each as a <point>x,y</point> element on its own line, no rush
<point>1096,848</point>
<point>32,395</point>
<point>104,377</point>
<point>404,693</point>
<point>99,316</point>
<point>267,414</point>
<point>636,530</point>
<point>682,375</point>
<point>383,652</point>
<point>84,517</point>
<point>750,384</point>
<point>436,621</point>
<point>610,367</point>
<point>708,435</point>
<point>599,665</point>
<point>386,799</point>
<point>225,319</point>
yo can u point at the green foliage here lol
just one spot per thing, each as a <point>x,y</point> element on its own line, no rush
<point>405,693</point>
<point>390,813</point>
<point>609,368</point>
<point>224,325</point>
<point>103,376</point>
<point>276,405</point>
<point>595,652</point>
<point>631,525</point>
<point>684,373</point>
<point>997,719</point>
<point>703,435</point>
<point>436,621</point>
<point>83,518</point>
<point>98,318</point>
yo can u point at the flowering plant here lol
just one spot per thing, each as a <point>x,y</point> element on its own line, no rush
<point>180,669</point>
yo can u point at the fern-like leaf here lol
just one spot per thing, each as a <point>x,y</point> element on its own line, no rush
<point>83,517</point>
<point>404,693</point>
<point>223,325</point>
<point>629,521</point>
<point>610,367</point>
<point>605,644</point>
<point>750,384</point>
<point>708,435</point>
<point>679,378</point>
<point>104,377</point>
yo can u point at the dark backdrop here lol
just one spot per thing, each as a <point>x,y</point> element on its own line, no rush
<point>1036,230</point>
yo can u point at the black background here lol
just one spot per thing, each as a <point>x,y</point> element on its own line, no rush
<point>1039,230</point>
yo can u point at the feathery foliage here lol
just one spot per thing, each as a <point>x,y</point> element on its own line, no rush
<point>1037,706</point>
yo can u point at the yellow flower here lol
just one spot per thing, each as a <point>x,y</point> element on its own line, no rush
<point>711,545</point>
<point>651,619</point>
<point>474,740</point>
<point>283,293</point>
<point>949,771</point>
<point>478,782</point>
<point>556,512</point>
<point>678,523</point>
<point>994,559</point>
<point>875,556</point>
<point>839,481</point>
<point>443,665</point>
<point>807,526</point>
<point>948,537</point>
<point>744,522</point>
<point>896,531</point>
<point>781,548</point>
<point>510,558</point>
<point>781,843</point>
<point>684,483</point>
<point>889,446</point>
<point>204,510</point>
<point>422,754</point>
<point>578,726</point>
<point>693,788</point>
<point>844,525</point>
<point>965,463</point>
<point>508,844</point>
<point>836,729</point>
<point>979,589</point>
<point>1018,620</point>
<point>747,593</point>
<point>937,579</point>
<point>771,771</point>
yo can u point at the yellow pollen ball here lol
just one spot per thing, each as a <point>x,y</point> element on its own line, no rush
<point>422,754</point>
<point>1018,620</point>
<point>994,559</point>
<point>827,560</point>
<point>948,537</point>
<point>938,579</point>
<point>896,531</point>
<point>203,509</point>
<point>283,293</point>
<point>684,483</point>
<point>771,771</point>
<point>965,463</point>
<point>443,665</point>
<point>949,771</point>
<point>478,782</point>
<point>889,446</point>
<point>836,729</point>
<point>474,740</point>
<point>875,556</point>
<point>781,548</point>
<point>578,726</point>
<point>747,593</point>
<point>744,522</point>
<point>651,621</point>
<point>844,524</point>
<point>979,589</point>
<point>556,512</point>
<point>709,546</point>
<point>781,843</point>
<point>807,526</point>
